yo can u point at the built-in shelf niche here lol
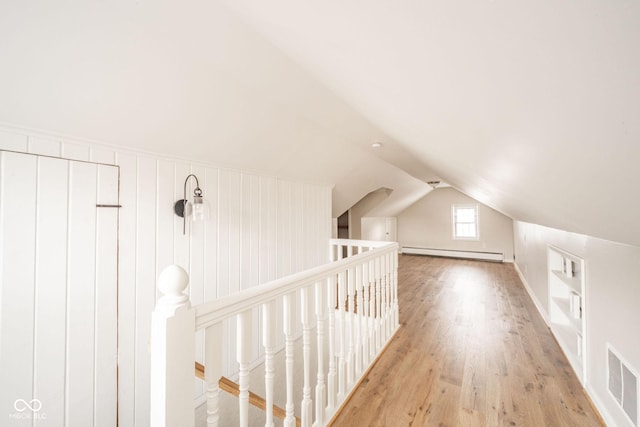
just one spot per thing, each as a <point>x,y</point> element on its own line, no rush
<point>567,306</point>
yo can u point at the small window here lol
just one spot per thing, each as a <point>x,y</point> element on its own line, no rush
<point>465,222</point>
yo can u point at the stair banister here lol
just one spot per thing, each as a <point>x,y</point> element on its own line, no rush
<point>350,304</point>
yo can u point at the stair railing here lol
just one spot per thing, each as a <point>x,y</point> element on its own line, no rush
<point>351,303</point>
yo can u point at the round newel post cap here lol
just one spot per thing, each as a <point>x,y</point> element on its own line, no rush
<point>172,283</point>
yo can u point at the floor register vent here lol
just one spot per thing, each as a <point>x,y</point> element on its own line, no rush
<point>623,385</point>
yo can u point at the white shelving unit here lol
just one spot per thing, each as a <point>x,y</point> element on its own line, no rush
<point>567,306</point>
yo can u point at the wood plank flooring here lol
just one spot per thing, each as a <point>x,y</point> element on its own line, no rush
<point>472,351</point>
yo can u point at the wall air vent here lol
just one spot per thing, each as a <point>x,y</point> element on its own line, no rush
<point>623,385</point>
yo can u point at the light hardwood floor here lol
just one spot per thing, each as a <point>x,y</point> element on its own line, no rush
<point>472,351</point>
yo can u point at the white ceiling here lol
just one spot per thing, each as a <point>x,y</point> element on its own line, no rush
<point>532,107</point>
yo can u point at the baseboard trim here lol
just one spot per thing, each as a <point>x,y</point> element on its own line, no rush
<point>454,253</point>
<point>532,295</point>
<point>598,407</point>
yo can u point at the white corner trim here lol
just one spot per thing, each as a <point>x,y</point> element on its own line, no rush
<point>602,409</point>
<point>533,297</point>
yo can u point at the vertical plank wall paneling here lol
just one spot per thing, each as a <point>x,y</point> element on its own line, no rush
<point>44,146</point>
<point>75,152</point>
<point>224,255</point>
<point>14,141</point>
<point>81,270</point>
<point>250,234</point>
<point>234,206</point>
<point>58,290</point>
<point>146,273</point>
<point>260,228</point>
<point>50,327</point>
<point>127,288</point>
<point>18,266</point>
<point>106,298</point>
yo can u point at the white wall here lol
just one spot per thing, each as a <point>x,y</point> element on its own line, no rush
<point>261,228</point>
<point>380,228</point>
<point>360,209</point>
<point>428,224</point>
<point>612,309</point>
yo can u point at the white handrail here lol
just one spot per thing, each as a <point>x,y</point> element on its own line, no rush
<point>215,311</point>
<point>359,243</point>
<point>351,304</point>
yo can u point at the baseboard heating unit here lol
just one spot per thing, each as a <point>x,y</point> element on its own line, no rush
<point>452,253</point>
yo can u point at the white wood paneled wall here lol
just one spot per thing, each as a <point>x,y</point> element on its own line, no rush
<point>58,295</point>
<point>261,228</point>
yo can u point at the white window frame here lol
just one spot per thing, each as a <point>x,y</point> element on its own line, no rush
<point>454,221</point>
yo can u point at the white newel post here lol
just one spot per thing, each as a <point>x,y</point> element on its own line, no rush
<point>172,352</point>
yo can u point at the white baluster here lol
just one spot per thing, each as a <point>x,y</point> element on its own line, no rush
<point>349,250</point>
<point>306,309</point>
<point>351,288</point>
<point>320,321</point>
<point>389,296</point>
<point>243,356</point>
<point>385,290</point>
<point>395,289</point>
<point>378,304</point>
<point>342,298</point>
<point>372,309</point>
<point>268,341</point>
<point>288,316</point>
<point>213,371</point>
<point>358,319</point>
<point>366,312</point>
<point>331,376</point>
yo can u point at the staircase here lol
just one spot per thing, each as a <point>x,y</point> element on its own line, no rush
<point>348,311</point>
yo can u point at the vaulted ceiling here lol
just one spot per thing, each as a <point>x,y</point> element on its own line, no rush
<point>532,107</point>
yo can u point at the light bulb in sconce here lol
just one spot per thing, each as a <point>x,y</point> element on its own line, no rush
<point>198,208</point>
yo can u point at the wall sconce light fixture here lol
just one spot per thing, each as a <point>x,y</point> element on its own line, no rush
<point>198,209</point>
